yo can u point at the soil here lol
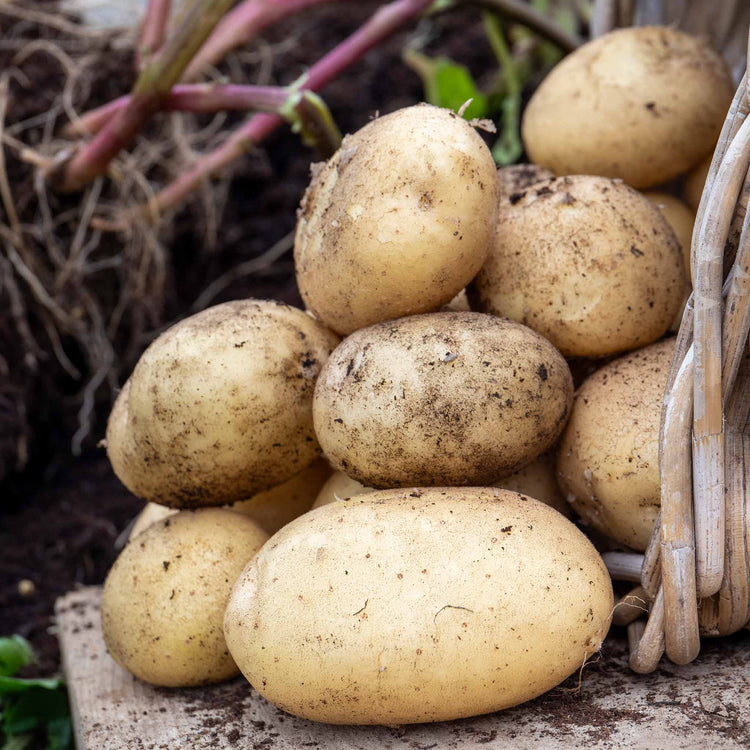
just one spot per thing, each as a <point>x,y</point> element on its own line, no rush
<point>59,520</point>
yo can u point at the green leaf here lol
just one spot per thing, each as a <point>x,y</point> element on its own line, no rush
<point>15,652</point>
<point>447,84</point>
<point>59,734</point>
<point>33,709</point>
<point>11,685</point>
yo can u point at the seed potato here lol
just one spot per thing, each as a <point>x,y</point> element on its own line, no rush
<point>220,406</point>
<point>270,509</point>
<point>164,598</point>
<point>587,262</point>
<point>418,605</point>
<point>643,104</point>
<point>398,221</point>
<point>608,462</point>
<point>440,399</point>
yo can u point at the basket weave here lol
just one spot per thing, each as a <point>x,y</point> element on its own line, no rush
<point>695,575</point>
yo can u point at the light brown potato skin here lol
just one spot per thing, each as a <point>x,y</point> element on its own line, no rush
<point>220,405</point>
<point>164,598</point>
<point>537,480</point>
<point>270,509</point>
<point>587,262</point>
<point>643,104</point>
<point>418,605</point>
<point>695,181</point>
<point>340,487</point>
<point>608,461</point>
<point>680,217</point>
<point>440,399</point>
<point>398,221</point>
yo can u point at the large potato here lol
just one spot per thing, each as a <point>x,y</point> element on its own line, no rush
<point>398,221</point>
<point>588,262</point>
<point>608,462</point>
<point>220,406</point>
<point>440,399</point>
<point>643,104</point>
<point>270,509</point>
<point>164,599</point>
<point>418,605</point>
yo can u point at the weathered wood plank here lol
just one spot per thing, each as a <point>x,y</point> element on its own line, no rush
<point>702,705</point>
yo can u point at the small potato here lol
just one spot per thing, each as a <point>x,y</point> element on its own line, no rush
<point>608,461</point>
<point>587,262</point>
<point>340,487</point>
<point>398,221</point>
<point>680,218</point>
<point>695,180</point>
<point>164,599</point>
<point>418,605</point>
<point>220,406</point>
<point>643,104</point>
<point>440,399</point>
<point>536,480</point>
<point>270,509</point>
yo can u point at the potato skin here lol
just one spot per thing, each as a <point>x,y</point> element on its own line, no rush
<point>608,461</point>
<point>164,598</point>
<point>220,405</point>
<point>587,262</point>
<point>270,509</point>
<point>340,487</point>
<point>643,104</point>
<point>519,177</point>
<point>398,221</point>
<point>403,606</point>
<point>440,399</point>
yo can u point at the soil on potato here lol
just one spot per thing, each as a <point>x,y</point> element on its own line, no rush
<point>60,519</point>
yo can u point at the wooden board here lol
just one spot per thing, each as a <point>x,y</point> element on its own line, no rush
<point>702,705</point>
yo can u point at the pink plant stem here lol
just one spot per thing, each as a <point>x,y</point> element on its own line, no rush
<point>151,88</point>
<point>382,24</point>
<point>153,31</point>
<point>191,97</point>
<point>238,27</point>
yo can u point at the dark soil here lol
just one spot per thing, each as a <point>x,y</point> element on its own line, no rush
<point>59,521</point>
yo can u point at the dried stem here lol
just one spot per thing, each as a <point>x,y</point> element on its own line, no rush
<point>624,566</point>
<point>382,24</point>
<point>239,27</point>
<point>632,606</point>
<point>647,645</point>
<point>153,31</point>
<point>151,88</point>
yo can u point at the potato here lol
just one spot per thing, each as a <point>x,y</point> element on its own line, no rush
<point>695,181</point>
<point>270,509</point>
<point>220,406</point>
<point>164,599</point>
<point>680,218</point>
<point>398,221</point>
<point>537,480</point>
<point>440,399</point>
<point>418,605</point>
<point>644,104</point>
<point>340,487</point>
<point>587,262</point>
<point>608,462</point>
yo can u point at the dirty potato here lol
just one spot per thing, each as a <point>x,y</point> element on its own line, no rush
<point>398,221</point>
<point>220,405</point>
<point>587,262</point>
<point>440,399</point>
<point>418,605</point>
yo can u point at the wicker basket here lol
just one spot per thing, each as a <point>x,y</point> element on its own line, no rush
<point>695,575</point>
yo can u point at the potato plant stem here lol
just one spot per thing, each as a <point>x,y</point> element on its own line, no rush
<point>382,24</point>
<point>151,88</point>
<point>153,31</point>
<point>197,98</point>
<point>238,27</point>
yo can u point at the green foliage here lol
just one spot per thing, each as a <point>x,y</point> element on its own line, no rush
<point>29,705</point>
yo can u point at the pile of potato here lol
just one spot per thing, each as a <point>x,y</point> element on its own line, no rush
<point>436,575</point>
